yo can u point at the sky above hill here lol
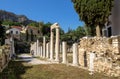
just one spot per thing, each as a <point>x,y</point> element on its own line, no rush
<point>61,11</point>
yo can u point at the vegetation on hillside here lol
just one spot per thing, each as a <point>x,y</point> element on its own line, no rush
<point>11,19</point>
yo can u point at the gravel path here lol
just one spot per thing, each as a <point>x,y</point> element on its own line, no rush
<point>33,61</point>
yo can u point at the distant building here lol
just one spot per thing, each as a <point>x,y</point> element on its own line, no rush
<point>112,28</point>
<point>30,29</point>
<point>15,31</point>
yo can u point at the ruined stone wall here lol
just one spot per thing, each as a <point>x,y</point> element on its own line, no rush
<point>107,54</point>
<point>4,56</point>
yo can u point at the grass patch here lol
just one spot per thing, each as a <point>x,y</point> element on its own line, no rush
<point>14,70</point>
<point>21,70</point>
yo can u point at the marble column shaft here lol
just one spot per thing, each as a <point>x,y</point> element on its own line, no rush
<point>91,66</point>
<point>44,47</point>
<point>41,51</point>
<point>64,52</point>
<point>75,54</point>
<point>47,50</point>
<point>37,47</point>
<point>51,45</point>
<point>57,45</point>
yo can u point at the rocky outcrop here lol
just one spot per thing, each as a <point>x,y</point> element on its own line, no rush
<point>4,15</point>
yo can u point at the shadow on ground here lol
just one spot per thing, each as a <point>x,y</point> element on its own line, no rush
<point>14,70</point>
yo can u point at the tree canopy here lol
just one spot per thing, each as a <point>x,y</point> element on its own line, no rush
<point>10,23</point>
<point>93,12</point>
<point>73,35</point>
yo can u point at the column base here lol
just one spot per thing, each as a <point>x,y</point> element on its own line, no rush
<point>57,60</point>
<point>64,62</point>
<point>51,59</point>
<point>75,64</point>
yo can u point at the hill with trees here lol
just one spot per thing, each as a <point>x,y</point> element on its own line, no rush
<point>8,17</point>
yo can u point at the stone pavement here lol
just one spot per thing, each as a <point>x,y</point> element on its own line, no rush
<point>32,60</point>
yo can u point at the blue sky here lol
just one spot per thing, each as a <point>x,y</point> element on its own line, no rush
<point>60,11</point>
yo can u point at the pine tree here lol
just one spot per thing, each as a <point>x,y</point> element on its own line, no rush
<point>93,12</point>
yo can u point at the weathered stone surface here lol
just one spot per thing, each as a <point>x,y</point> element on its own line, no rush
<point>107,51</point>
<point>4,56</point>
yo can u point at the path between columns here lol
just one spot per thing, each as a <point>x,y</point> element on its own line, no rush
<point>31,60</point>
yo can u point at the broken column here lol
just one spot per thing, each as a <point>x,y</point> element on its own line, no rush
<point>75,54</point>
<point>35,49</point>
<point>44,47</point>
<point>64,52</point>
<point>91,66</point>
<point>41,51</point>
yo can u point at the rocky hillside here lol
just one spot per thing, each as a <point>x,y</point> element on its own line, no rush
<point>4,15</point>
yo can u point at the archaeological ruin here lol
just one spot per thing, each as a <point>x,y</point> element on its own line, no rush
<point>96,54</point>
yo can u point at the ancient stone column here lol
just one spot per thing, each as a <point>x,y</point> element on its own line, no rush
<point>60,48</point>
<point>64,52</point>
<point>37,49</point>
<point>44,47</point>
<point>47,50</point>
<point>41,51</point>
<point>98,34</point>
<point>91,66</point>
<point>57,45</point>
<point>75,54</point>
<point>51,44</point>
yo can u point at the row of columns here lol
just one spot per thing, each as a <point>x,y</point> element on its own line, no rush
<point>45,52</point>
<point>41,50</point>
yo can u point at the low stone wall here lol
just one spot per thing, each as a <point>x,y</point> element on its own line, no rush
<point>107,54</point>
<point>4,56</point>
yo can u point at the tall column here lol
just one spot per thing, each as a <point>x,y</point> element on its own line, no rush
<point>57,45</point>
<point>91,66</point>
<point>47,50</point>
<point>75,54</point>
<point>44,48</point>
<point>51,44</point>
<point>64,52</point>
